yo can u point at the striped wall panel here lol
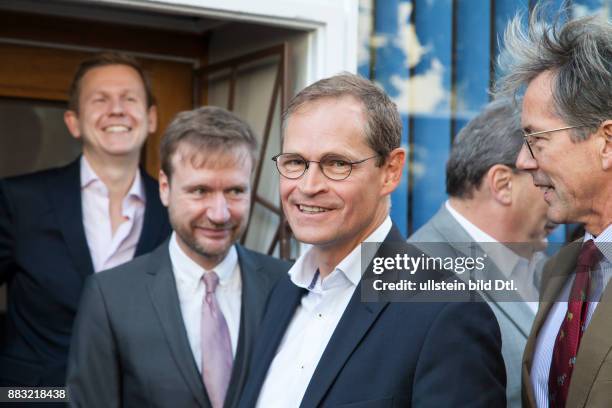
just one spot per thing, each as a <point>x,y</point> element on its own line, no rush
<point>436,59</point>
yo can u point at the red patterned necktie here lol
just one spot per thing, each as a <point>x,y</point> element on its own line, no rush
<point>216,345</point>
<point>572,327</point>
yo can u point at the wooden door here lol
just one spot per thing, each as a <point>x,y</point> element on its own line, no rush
<point>34,85</point>
<point>41,77</point>
<point>254,85</point>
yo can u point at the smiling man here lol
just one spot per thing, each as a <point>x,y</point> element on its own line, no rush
<point>567,119</point>
<point>175,328</point>
<point>320,344</point>
<point>61,225</point>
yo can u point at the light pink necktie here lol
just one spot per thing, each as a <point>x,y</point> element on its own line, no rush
<point>216,344</point>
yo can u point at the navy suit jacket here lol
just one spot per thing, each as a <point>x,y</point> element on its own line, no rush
<point>44,260</point>
<point>392,354</point>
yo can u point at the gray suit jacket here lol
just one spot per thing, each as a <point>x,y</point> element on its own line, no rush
<point>514,318</point>
<point>130,347</point>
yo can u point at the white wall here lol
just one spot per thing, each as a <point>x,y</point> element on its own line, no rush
<point>331,24</point>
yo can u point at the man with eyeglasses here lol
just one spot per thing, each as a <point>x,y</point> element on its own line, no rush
<point>567,118</point>
<point>320,343</point>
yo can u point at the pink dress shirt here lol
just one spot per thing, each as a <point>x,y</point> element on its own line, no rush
<point>108,250</point>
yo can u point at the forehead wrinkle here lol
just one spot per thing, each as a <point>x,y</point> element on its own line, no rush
<point>343,151</point>
<point>354,106</point>
<point>108,73</point>
<point>214,159</point>
<point>541,85</point>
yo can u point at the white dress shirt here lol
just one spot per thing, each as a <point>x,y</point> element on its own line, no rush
<point>545,342</point>
<point>191,290</point>
<point>108,250</point>
<point>313,323</point>
<point>511,265</point>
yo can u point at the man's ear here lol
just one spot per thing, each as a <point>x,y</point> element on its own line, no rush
<point>71,119</point>
<point>606,148</point>
<point>499,178</point>
<point>164,188</point>
<point>392,170</point>
<point>152,119</point>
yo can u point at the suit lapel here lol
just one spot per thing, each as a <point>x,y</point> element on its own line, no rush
<point>351,329</point>
<point>253,297</point>
<point>353,326</point>
<point>154,223</point>
<point>65,196</point>
<point>555,276</point>
<point>164,296</point>
<point>519,313</point>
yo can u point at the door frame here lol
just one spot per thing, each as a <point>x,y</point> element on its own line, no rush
<point>331,25</point>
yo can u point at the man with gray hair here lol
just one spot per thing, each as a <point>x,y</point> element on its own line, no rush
<point>566,68</point>
<point>494,209</point>
<point>175,328</point>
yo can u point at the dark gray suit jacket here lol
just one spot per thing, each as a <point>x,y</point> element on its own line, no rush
<point>130,347</point>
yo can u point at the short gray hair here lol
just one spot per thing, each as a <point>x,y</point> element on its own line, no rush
<point>209,130</point>
<point>578,53</point>
<point>493,137</point>
<point>383,129</point>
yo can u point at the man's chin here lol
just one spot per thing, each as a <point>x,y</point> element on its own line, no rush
<point>560,218</point>
<point>210,249</point>
<point>556,214</point>
<point>214,251</point>
<point>309,236</point>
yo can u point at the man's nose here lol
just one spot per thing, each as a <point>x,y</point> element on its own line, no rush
<point>525,161</point>
<point>117,106</point>
<point>313,180</point>
<point>218,210</point>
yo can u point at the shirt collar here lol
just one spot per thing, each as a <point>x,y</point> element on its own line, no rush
<point>303,272</point>
<point>89,176</point>
<point>503,257</point>
<point>137,188</point>
<point>476,233</point>
<point>188,271</point>
<point>603,241</point>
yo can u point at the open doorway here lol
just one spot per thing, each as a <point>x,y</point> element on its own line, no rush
<point>42,43</point>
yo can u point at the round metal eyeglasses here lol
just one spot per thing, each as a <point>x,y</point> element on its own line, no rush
<point>293,166</point>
